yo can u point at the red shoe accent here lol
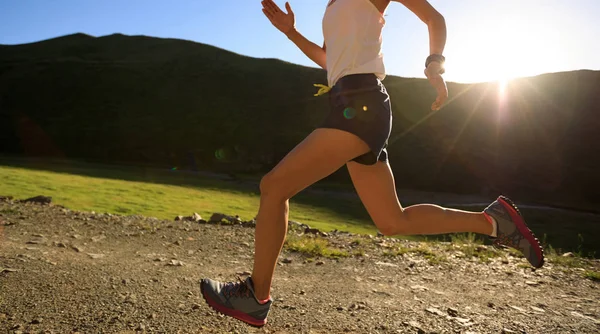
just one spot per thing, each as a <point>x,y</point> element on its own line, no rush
<point>520,223</point>
<point>232,313</point>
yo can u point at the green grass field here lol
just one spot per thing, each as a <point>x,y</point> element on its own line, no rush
<point>161,193</point>
<point>166,194</point>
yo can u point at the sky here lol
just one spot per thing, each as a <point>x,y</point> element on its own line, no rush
<point>488,40</point>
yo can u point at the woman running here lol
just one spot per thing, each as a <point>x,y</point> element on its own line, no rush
<point>355,134</point>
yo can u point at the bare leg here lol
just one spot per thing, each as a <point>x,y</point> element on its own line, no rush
<point>376,189</point>
<point>323,152</point>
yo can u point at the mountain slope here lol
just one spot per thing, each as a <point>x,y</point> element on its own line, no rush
<point>178,103</point>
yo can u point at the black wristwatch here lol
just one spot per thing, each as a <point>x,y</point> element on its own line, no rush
<point>436,57</point>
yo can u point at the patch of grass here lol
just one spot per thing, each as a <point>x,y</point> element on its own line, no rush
<point>313,247</point>
<point>10,211</point>
<point>423,250</point>
<point>593,275</point>
<point>481,252</point>
<point>555,257</point>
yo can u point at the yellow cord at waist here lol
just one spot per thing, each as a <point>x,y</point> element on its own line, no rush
<point>323,89</point>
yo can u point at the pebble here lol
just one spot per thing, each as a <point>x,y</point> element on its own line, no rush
<point>452,312</point>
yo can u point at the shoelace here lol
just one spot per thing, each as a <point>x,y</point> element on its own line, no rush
<point>323,89</point>
<point>237,289</point>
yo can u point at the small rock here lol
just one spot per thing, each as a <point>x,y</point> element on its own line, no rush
<point>195,306</point>
<point>36,321</point>
<point>434,310</point>
<point>7,270</point>
<point>507,331</point>
<point>178,243</point>
<point>537,309</point>
<point>341,308</point>
<point>320,263</point>
<point>287,260</point>
<point>77,249</point>
<point>452,312</point>
<point>302,292</point>
<point>309,230</point>
<point>414,325</point>
<point>38,200</point>
<point>178,218</point>
<point>95,256</point>
<point>532,283</point>
<point>175,263</point>
<point>217,217</point>
<point>517,308</point>
<point>490,304</point>
<point>568,254</point>
<point>98,238</point>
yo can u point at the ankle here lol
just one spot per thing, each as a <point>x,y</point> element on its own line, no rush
<point>493,223</point>
<point>261,296</point>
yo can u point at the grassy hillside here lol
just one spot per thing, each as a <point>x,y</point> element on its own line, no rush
<point>175,103</point>
<point>166,193</point>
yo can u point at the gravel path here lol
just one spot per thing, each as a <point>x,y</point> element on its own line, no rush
<point>67,272</point>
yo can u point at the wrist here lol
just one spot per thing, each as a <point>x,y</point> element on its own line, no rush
<point>290,34</point>
<point>437,60</point>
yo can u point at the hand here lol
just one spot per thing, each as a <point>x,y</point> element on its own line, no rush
<point>432,72</point>
<point>285,23</point>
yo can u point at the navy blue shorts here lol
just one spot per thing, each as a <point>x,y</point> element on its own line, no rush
<point>360,104</point>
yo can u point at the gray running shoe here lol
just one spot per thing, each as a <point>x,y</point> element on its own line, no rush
<point>513,232</point>
<point>236,299</point>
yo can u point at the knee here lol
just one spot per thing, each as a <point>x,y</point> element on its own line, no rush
<point>272,188</point>
<point>386,230</point>
<point>390,227</point>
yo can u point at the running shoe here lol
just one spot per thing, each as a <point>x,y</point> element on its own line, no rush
<point>237,300</point>
<point>513,232</point>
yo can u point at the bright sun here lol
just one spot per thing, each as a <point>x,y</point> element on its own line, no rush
<point>500,49</point>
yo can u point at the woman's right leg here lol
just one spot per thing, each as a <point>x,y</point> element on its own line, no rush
<point>323,152</point>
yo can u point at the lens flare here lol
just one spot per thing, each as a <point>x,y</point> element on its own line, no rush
<point>220,154</point>
<point>174,168</point>
<point>365,108</point>
<point>349,113</point>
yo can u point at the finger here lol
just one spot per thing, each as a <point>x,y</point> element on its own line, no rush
<point>271,12</point>
<point>289,8</point>
<point>273,6</point>
<point>268,15</point>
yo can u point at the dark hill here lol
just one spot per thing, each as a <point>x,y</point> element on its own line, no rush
<point>171,102</point>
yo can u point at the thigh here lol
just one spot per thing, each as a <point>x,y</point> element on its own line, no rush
<point>321,153</point>
<point>377,190</point>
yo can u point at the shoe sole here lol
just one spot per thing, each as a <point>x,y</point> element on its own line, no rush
<point>517,218</point>
<point>229,312</point>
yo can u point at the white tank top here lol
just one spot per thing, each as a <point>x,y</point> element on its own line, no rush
<point>352,32</point>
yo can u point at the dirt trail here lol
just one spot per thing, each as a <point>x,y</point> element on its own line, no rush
<point>67,272</point>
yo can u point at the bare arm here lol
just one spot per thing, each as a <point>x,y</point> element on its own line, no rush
<point>434,20</point>
<point>285,22</point>
<point>437,41</point>
<point>310,49</point>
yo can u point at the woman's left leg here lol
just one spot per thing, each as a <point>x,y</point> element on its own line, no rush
<point>376,188</point>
